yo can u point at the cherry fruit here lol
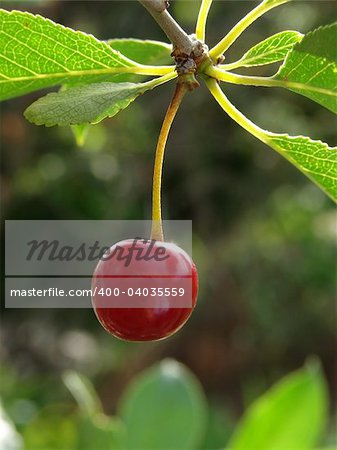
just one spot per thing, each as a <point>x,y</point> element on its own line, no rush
<point>144,290</point>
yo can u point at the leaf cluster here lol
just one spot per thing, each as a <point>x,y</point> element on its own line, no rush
<point>165,407</point>
<point>100,78</point>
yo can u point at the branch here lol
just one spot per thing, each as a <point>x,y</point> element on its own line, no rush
<point>158,10</point>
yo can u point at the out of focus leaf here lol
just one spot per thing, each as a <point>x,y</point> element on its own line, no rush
<point>291,415</point>
<point>95,430</point>
<point>143,52</point>
<point>163,409</point>
<point>83,392</point>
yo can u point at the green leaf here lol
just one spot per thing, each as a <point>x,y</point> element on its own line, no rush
<point>86,104</point>
<point>83,392</point>
<point>271,50</point>
<point>313,63</point>
<point>291,415</point>
<point>144,52</point>
<point>164,409</point>
<point>95,430</point>
<point>36,53</point>
<point>314,158</point>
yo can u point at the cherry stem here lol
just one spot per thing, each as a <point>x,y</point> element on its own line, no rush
<point>157,226</point>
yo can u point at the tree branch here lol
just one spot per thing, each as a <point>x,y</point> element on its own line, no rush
<point>158,10</point>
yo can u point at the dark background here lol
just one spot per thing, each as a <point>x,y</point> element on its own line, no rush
<point>264,235</point>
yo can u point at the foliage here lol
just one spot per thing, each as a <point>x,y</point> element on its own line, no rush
<point>280,418</point>
<point>38,53</point>
<point>312,63</point>
<point>90,103</point>
<point>271,50</point>
<point>143,51</point>
<point>164,407</point>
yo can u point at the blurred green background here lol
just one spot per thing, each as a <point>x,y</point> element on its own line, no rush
<point>264,236</point>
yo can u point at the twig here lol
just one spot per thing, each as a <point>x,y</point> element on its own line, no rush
<point>158,10</point>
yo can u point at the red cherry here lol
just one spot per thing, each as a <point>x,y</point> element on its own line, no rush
<point>144,290</point>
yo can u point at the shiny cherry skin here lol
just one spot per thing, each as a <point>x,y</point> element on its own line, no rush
<point>154,267</point>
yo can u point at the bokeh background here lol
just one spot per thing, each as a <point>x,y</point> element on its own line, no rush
<point>263,235</point>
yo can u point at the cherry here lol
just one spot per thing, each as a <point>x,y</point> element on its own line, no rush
<point>146,290</point>
<point>157,287</point>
